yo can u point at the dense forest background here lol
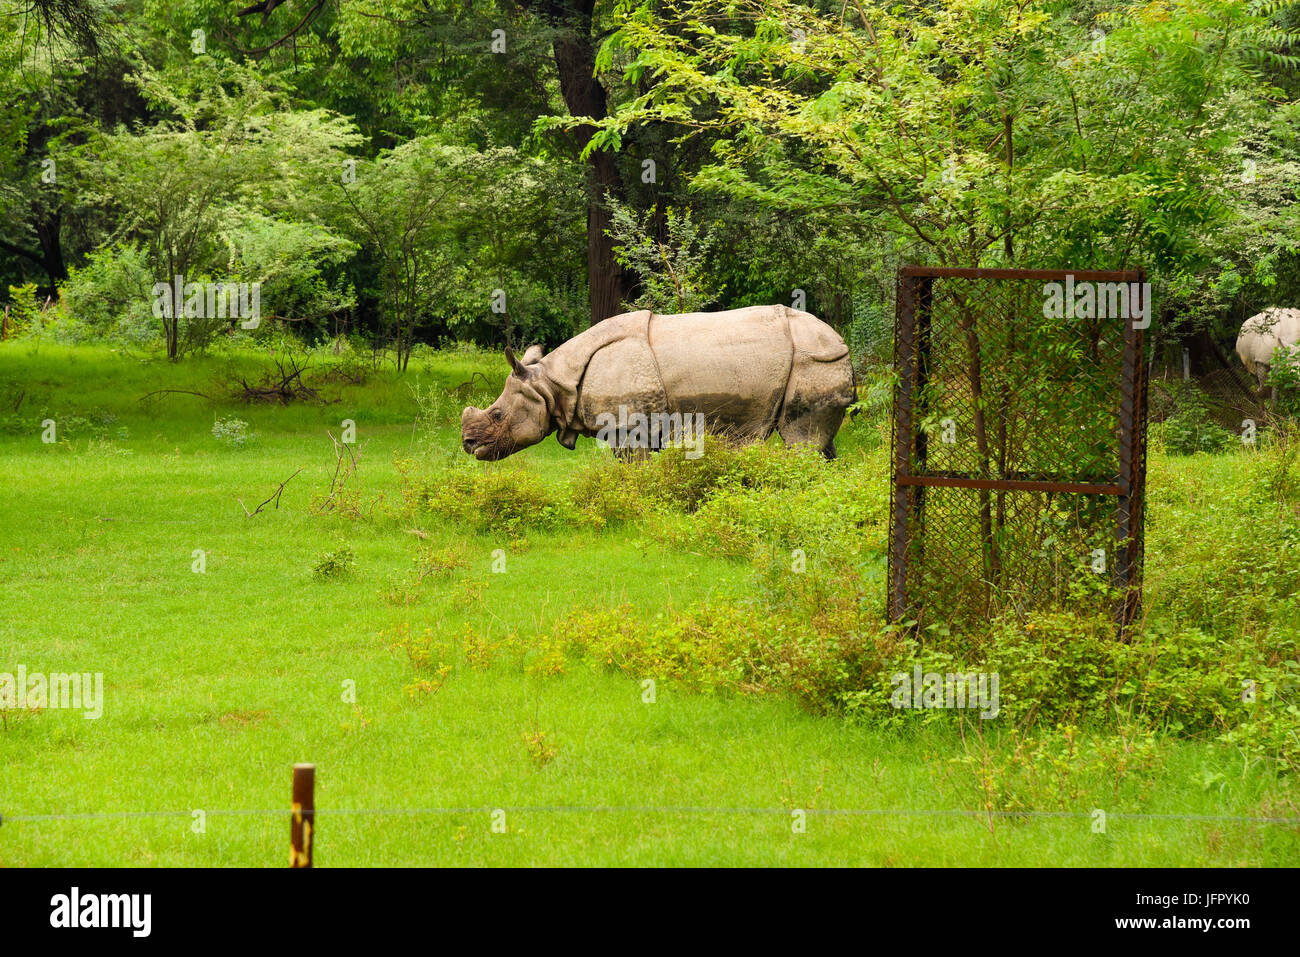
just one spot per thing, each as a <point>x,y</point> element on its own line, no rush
<point>508,171</point>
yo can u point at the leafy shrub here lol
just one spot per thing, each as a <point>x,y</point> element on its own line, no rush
<point>1188,428</point>
<point>606,491</point>
<point>677,481</point>
<point>830,516</point>
<point>294,262</point>
<point>871,333</point>
<point>672,273</point>
<point>232,432</point>
<point>335,564</point>
<point>1284,378</point>
<point>23,314</point>
<point>437,562</point>
<point>109,298</point>
<point>495,497</point>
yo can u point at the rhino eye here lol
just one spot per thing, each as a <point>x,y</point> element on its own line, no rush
<point>495,413</point>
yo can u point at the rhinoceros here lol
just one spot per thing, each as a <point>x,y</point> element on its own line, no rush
<point>748,372</point>
<point>1262,335</point>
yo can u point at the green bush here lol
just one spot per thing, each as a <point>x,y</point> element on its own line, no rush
<point>1284,378</point>
<point>871,333</point>
<point>110,298</point>
<point>23,313</point>
<point>1188,428</point>
<point>334,565</point>
<point>492,497</point>
<point>605,491</point>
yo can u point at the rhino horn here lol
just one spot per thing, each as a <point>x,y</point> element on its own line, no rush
<point>515,364</point>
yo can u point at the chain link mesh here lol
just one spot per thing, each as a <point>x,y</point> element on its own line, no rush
<point>1018,452</point>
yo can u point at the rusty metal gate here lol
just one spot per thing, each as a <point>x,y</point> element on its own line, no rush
<point>1019,442</point>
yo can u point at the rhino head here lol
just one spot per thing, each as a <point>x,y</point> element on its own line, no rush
<point>519,418</point>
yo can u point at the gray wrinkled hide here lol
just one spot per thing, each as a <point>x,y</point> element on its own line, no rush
<point>1260,337</point>
<point>749,371</point>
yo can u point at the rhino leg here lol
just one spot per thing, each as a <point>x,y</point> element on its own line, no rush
<point>815,427</point>
<point>815,401</point>
<point>1265,390</point>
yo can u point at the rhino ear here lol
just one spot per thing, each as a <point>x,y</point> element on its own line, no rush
<point>533,354</point>
<point>515,365</point>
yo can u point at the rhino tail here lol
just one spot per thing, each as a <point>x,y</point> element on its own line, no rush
<point>813,338</point>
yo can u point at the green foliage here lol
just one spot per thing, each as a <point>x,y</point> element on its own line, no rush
<point>494,497</point>
<point>605,491</point>
<point>1284,379</point>
<point>228,141</point>
<point>973,128</point>
<point>109,297</point>
<point>22,313</point>
<point>232,432</point>
<point>871,333</point>
<point>447,225</point>
<point>1188,427</point>
<point>335,565</point>
<point>671,270</point>
<point>298,265</point>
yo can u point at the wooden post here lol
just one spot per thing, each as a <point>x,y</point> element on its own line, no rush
<point>302,827</point>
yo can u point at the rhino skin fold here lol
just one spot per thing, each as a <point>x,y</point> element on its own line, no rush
<point>750,372</point>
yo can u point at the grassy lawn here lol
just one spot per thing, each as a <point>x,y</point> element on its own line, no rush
<point>216,682</point>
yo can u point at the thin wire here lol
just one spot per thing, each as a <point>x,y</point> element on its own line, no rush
<point>651,809</point>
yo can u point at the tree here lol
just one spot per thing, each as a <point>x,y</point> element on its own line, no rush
<point>985,133</point>
<point>980,134</point>
<point>672,271</point>
<point>574,50</point>
<point>409,206</point>
<point>175,187</point>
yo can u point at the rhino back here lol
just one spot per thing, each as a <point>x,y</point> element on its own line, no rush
<point>732,366</point>
<point>1262,333</point>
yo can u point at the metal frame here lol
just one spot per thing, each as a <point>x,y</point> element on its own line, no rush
<point>911,477</point>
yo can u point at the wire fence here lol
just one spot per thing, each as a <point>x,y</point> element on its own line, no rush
<point>594,809</point>
<point>302,814</point>
<point>1018,444</point>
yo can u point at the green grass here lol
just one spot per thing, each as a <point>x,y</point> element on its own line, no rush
<point>216,683</point>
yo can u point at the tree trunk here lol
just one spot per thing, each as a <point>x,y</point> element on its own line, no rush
<point>47,233</point>
<point>575,62</point>
<point>605,279</point>
<point>49,255</point>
